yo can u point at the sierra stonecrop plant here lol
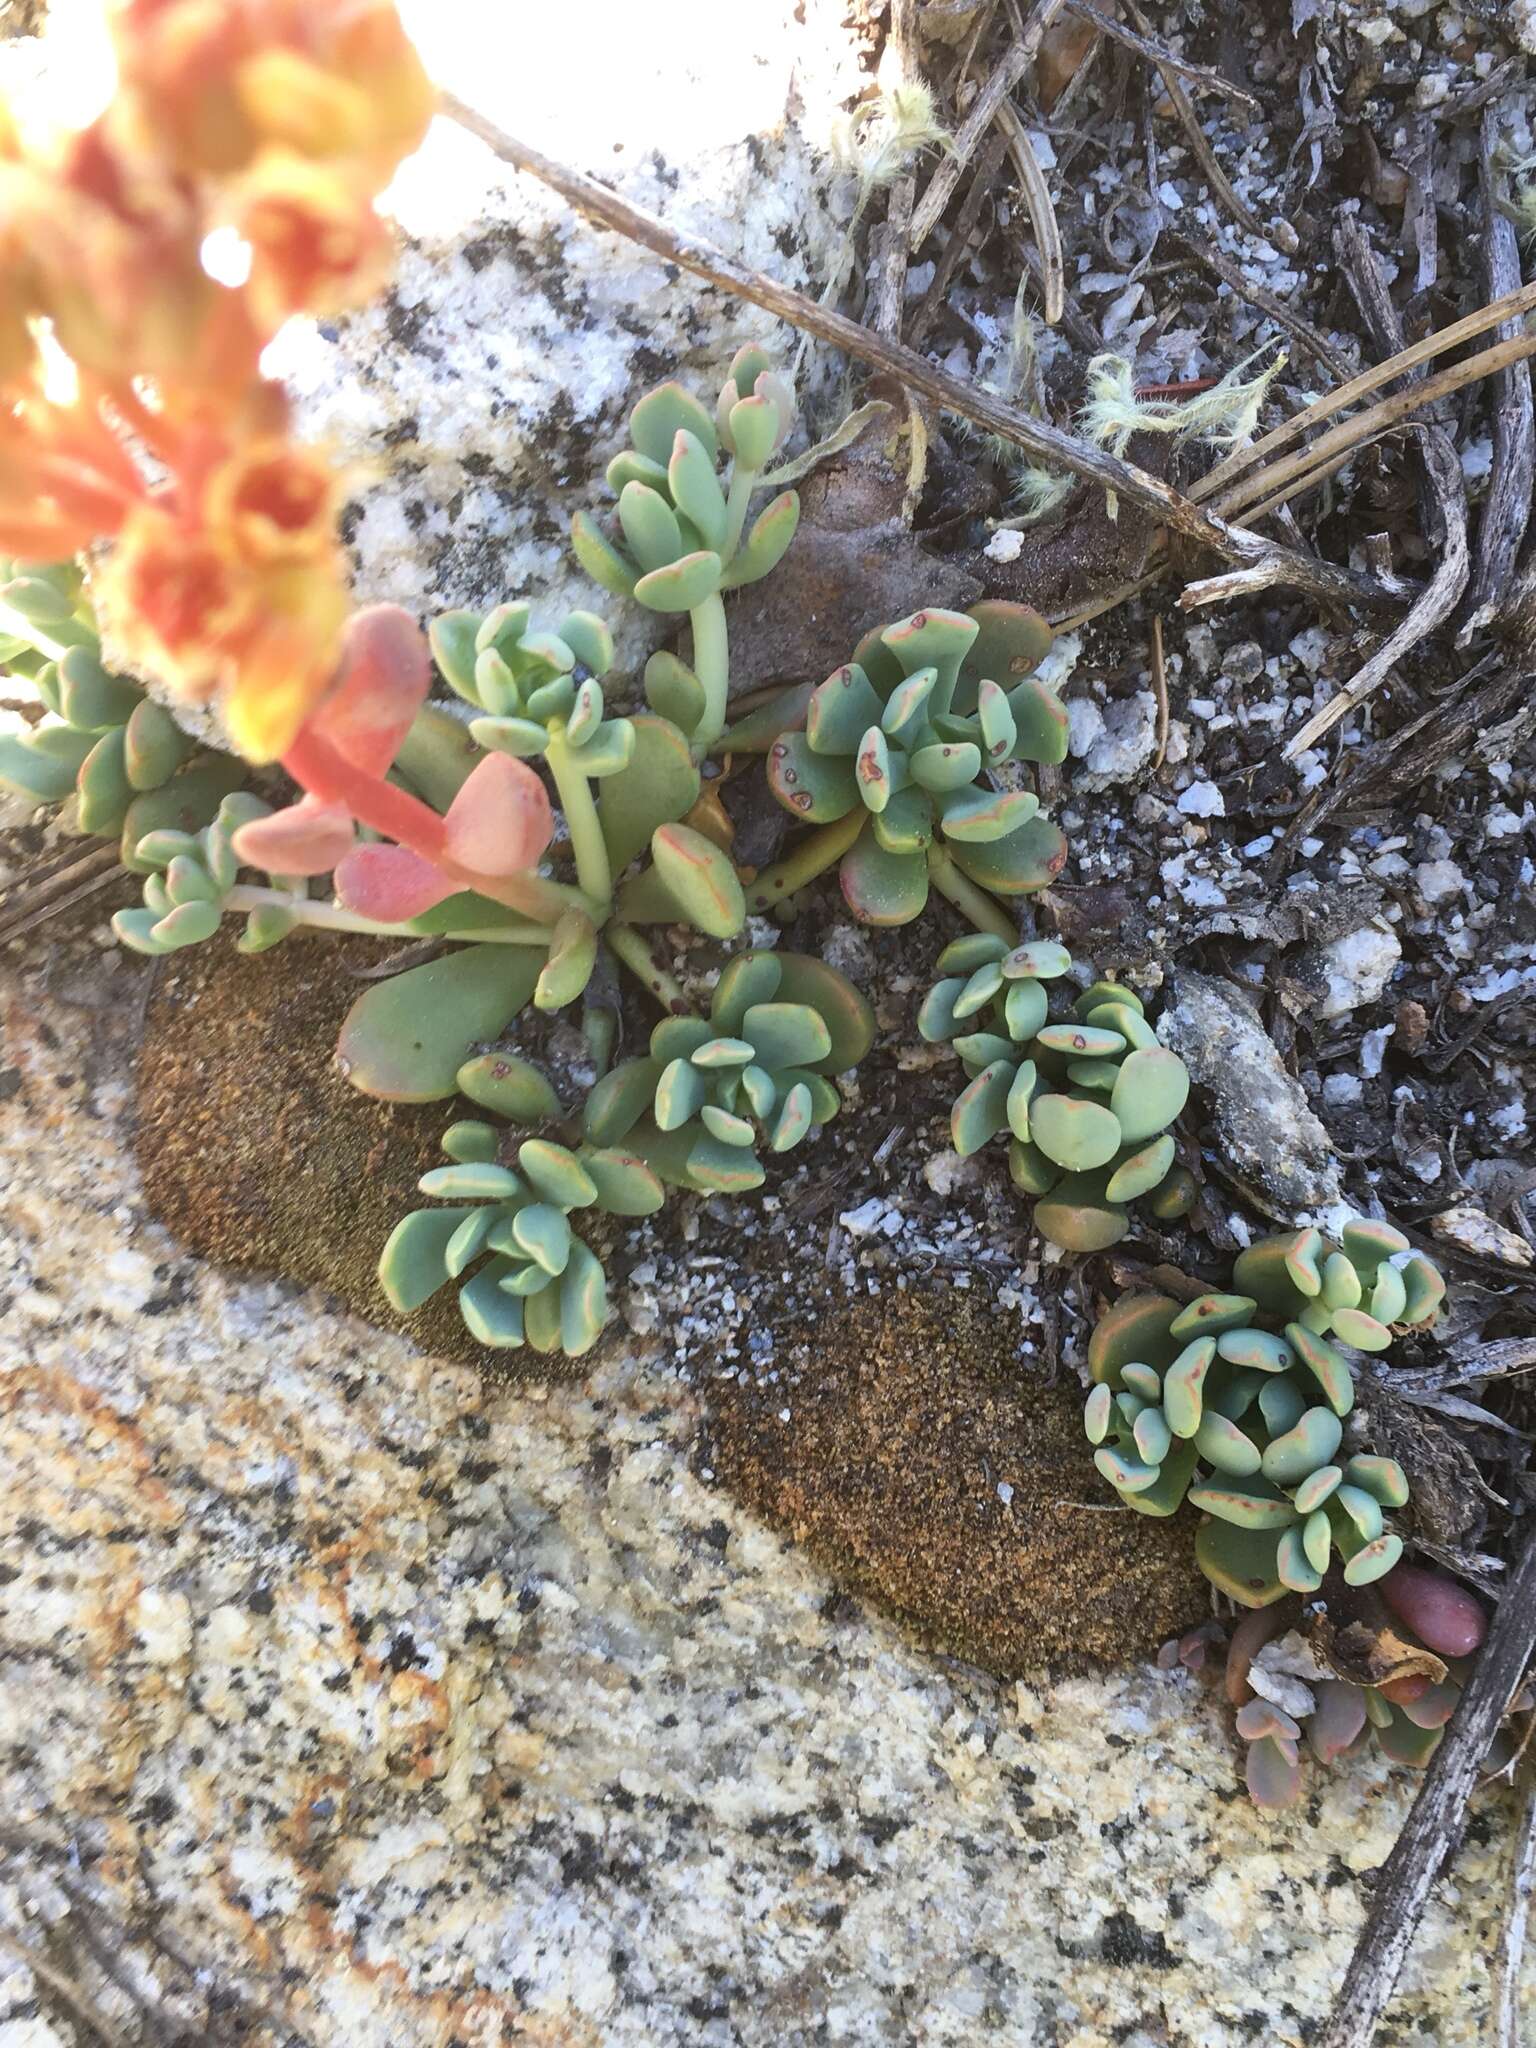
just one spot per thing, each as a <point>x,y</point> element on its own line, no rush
<point>1427,1629</point>
<point>1240,1403</point>
<point>193,877</point>
<point>128,765</point>
<point>756,1072</point>
<point>692,1115</point>
<point>905,760</point>
<point>1085,1102</point>
<point>539,1283</point>
<point>680,542</point>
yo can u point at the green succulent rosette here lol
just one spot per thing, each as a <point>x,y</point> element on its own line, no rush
<point>756,1073</point>
<point>906,747</point>
<point>680,540</point>
<point>1240,1403</point>
<point>532,1280</point>
<point>188,879</point>
<point>1086,1102</point>
<point>535,690</point>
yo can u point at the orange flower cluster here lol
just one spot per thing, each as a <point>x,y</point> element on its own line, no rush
<point>278,121</point>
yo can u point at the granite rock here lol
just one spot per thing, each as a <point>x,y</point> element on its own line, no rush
<point>384,1708</point>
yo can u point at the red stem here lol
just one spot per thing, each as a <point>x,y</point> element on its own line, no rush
<point>326,773</point>
<point>1187,389</point>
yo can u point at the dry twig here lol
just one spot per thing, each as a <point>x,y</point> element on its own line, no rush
<point>1324,581</point>
<point>890,285</point>
<point>1160,686</point>
<point>1440,597</point>
<point>1508,506</point>
<point>1357,260</point>
<point>1042,214</point>
<point>1433,1828</point>
<point>1158,53</point>
<point>1444,491</point>
<point>1507,2032</point>
<point>1301,424</point>
<point>1020,55</point>
<point>1300,331</point>
<point>988,165</point>
<point>44,892</point>
<point>1376,419</point>
<point>1283,235</point>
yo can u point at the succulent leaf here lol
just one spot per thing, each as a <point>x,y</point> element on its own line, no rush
<point>880,887</point>
<point>680,585</point>
<point>659,785</point>
<point>405,1039</point>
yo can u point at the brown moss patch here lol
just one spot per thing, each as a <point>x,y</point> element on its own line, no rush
<point>256,1153</point>
<point>907,1414</point>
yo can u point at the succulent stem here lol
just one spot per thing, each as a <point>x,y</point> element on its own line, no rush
<point>600,1028</point>
<point>712,666</point>
<point>630,946</point>
<point>325,916</point>
<point>594,871</point>
<point>743,484</point>
<point>984,911</point>
<point>321,769</point>
<point>817,852</point>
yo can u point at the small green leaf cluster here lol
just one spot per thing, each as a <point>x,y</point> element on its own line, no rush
<point>535,1281</point>
<point>189,880</point>
<point>755,1072</point>
<point>679,537</point>
<point>125,760</point>
<point>679,540</point>
<point>535,689</point>
<point>906,741</point>
<point>1086,1101</point>
<point>1208,1401</point>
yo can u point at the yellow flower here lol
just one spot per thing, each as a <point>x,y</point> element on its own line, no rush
<point>177,95</point>
<point>111,254</point>
<point>267,633</point>
<point>283,670</point>
<point>300,105</point>
<point>214,82</point>
<point>317,246</point>
<point>174,601</point>
<point>274,502</point>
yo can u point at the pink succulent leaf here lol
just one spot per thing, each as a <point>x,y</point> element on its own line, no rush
<point>390,884</point>
<point>1258,1717</point>
<point>500,822</point>
<point>1339,1718</point>
<point>385,673</point>
<point>308,838</point>
<point>1433,1707</point>
<point>1445,1615</point>
<point>1274,1779</point>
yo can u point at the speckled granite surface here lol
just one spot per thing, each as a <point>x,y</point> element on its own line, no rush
<point>412,1712</point>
